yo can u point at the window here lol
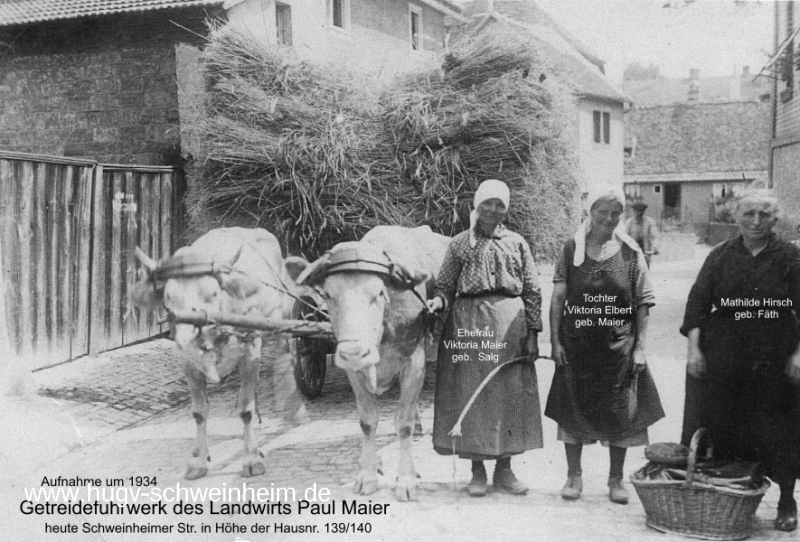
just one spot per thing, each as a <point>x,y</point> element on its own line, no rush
<point>340,14</point>
<point>602,126</point>
<point>415,27</point>
<point>283,22</point>
<point>657,189</point>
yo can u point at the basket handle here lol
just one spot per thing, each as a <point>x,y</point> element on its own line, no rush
<point>693,449</point>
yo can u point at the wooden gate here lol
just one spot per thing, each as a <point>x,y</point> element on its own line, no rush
<point>67,230</point>
<point>134,206</point>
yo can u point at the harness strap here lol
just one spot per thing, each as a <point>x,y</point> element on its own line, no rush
<point>178,268</point>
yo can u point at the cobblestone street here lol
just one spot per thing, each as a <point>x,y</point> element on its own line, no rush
<point>126,413</point>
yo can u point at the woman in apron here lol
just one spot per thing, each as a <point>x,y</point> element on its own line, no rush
<point>602,389</point>
<point>488,282</point>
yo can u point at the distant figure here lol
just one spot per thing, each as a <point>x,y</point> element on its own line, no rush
<point>644,230</point>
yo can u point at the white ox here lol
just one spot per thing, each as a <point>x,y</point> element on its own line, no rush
<point>380,325</point>
<point>247,276</point>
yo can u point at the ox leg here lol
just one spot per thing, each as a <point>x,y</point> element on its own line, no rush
<point>198,464</point>
<point>405,418</point>
<point>252,464</point>
<point>367,480</point>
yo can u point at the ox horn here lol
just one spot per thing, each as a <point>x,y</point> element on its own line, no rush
<point>147,262</point>
<point>235,257</point>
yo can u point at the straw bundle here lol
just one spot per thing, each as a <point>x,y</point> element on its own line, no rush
<point>319,156</point>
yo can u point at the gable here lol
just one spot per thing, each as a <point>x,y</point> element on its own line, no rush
<point>14,12</point>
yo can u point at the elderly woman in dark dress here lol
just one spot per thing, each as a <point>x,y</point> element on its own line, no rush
<point>602,388</point>
<point>489,282</point>
<point>743,360</point>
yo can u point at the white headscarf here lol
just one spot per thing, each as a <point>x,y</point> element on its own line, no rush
<point>597,192</point>
<point>490,189</point>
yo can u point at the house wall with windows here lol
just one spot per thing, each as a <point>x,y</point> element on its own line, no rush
<point>572,62</point>
<point>785,141</point>
<point>372,36</point>
<point>695,196</point>
<point>600,133</point>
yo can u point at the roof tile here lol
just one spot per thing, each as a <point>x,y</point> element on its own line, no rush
<point>31,11</point>
<point>698,138</point>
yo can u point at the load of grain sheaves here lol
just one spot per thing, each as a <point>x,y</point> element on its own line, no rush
<point>318,156</point>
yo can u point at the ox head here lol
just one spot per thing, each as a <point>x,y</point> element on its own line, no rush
<point>177,284</point>
<point>357,298</point>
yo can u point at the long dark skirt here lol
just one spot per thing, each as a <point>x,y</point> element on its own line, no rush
<point>505,418</point>
<point>754,418</point>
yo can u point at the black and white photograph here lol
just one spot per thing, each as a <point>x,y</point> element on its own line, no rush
<point>399,270</point>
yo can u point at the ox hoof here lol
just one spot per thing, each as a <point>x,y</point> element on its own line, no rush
<point>365,485</point>
<point>193,473</point>
<point>253,469</point>
<point>406,488</point>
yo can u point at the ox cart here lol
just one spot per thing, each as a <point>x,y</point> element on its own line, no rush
<point>311,345</point>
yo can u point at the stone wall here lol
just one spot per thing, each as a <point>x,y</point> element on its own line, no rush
<point>102,88</point>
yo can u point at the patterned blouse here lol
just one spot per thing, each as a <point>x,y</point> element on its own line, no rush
<point>502,263</point>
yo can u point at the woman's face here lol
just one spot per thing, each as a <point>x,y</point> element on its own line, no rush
<point>756,218</point>
<point>491,212</point>
<point>605,216</point>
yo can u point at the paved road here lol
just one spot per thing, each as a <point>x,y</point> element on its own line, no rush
<point>126,414</point>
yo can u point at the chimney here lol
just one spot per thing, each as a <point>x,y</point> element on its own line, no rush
<point>694,73</point>
<point>745,71</point>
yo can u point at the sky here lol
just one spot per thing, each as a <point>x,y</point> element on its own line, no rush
<point>715,36</point>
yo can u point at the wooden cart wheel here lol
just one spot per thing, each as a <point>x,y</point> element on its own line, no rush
<point>310,353</point>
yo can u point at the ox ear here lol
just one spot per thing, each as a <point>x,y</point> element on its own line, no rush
<point>315,273</point>
<point>295,265</point>
<point>145,295</point>
<point>238,286</point>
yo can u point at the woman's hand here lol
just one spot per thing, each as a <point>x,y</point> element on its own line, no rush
<point>532,346</point>
<point>695,360</point>
<point>435,305</point>
<point>793,368</point>
<point>639,361</point>
<point>558,354</point>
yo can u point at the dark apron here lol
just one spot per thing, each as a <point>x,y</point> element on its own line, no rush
<point>596,397</point>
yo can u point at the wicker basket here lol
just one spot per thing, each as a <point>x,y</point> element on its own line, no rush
<point>695,509</point>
